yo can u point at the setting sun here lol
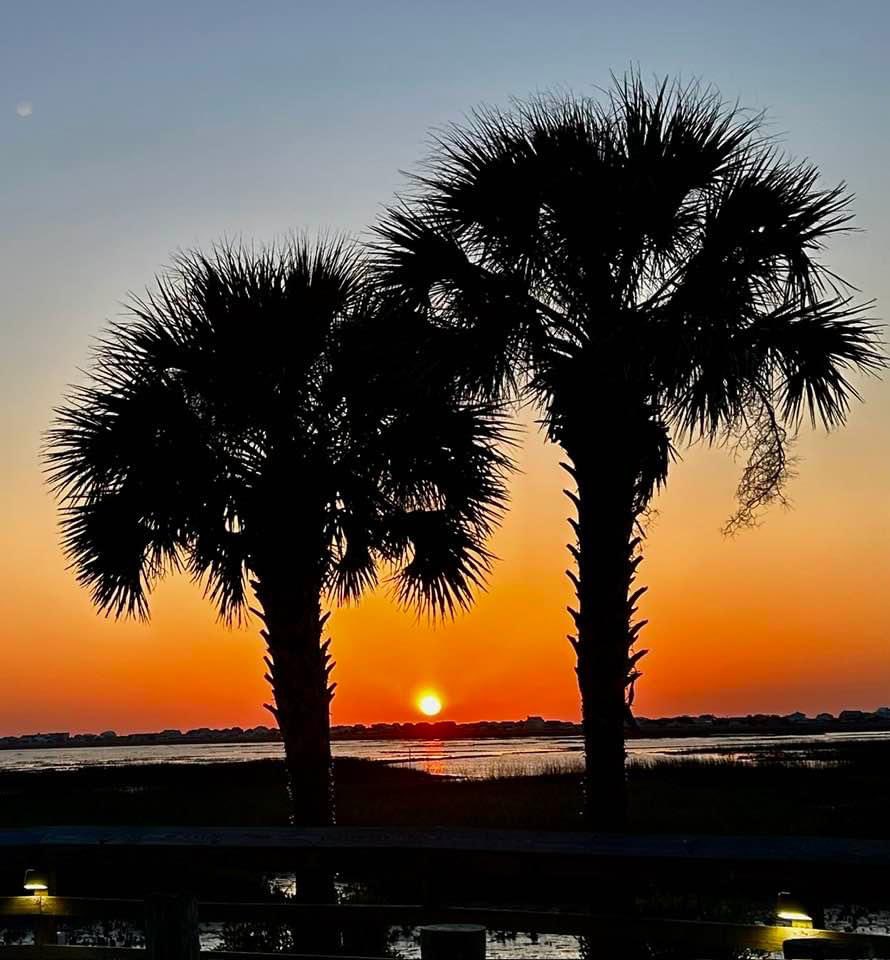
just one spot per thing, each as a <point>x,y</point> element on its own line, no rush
<point>429,704</point>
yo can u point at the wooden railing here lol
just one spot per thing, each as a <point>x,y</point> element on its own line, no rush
<point>820,870</point>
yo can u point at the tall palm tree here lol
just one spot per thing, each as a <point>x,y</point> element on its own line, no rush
<point>645,268</point>
<point>259,423</point>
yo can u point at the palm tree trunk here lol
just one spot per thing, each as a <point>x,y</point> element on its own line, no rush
<point>605,558</point>
<point>298,670</point>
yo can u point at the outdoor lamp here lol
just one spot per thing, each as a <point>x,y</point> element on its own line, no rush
<point>36,882</point>
<point>793,911</point>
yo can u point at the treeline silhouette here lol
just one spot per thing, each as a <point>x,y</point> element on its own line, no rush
<point>683,725</point>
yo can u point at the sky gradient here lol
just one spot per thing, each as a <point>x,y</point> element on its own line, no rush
<point>155,127</point>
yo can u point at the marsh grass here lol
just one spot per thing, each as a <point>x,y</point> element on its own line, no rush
<point>829,789</point>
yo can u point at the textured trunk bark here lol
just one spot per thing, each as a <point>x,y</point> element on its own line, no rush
<point>298,672</point>
<point>605,557</point>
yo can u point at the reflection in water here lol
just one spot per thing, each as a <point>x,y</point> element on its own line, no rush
<point>463,758</point>
<point>431,756</point>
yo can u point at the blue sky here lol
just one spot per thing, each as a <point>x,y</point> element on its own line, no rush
<point>168,124</point>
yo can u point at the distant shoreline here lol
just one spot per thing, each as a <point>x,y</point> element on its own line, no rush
<point>851,721</point>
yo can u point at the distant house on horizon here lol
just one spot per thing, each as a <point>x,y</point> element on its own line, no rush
<point>846,716</point>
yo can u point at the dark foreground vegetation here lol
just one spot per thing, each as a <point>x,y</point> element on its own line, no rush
<point>830,789</point>
<point>825,789</point>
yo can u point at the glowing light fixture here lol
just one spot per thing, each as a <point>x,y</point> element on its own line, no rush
<point>36,882</point>
<point>793,912</point>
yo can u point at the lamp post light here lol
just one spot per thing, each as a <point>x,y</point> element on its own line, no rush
<point>36,882</point>
<point>793,912</point>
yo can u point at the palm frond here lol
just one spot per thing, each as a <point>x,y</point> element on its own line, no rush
<point>259,412</point>
<point>446,563</point>
<point>650,255</point>
<point>812,351</point>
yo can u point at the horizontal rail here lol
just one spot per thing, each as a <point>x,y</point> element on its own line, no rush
<point>227,955</point>
<point>826,851</point>
<point>829,866</point>
<point>82,908</point>
<point>335,841</point>
<point>52,952</point>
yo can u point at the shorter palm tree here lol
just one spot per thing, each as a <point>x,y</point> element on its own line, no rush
<point>259,422</point>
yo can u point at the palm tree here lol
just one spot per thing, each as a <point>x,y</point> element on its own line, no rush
<point>259,423</point>
<point>646,270</point>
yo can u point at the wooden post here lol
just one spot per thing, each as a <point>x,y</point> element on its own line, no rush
<point>171,928</point>
<point>45,930</point>
<point>816,909</point>
<point>452,941</point>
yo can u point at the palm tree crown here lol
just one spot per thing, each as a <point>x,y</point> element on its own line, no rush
<point>656,254</point>
<point>246,414</point>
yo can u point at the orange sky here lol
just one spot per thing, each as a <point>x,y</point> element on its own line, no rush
<point>793,615</point>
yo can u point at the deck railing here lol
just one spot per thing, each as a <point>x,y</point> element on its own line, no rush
<point>818,870</point>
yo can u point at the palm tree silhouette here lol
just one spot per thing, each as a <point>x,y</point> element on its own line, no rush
<point>645,270</point>
<point>259,423</point>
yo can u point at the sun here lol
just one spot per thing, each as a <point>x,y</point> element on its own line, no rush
<point>429,704</point>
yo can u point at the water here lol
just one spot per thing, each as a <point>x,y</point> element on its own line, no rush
<point>462,758</point>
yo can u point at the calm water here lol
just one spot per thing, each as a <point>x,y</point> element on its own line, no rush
<point>464,758</point>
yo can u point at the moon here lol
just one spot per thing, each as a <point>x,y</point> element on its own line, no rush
<point>24,108</point>
<point>430,704</point>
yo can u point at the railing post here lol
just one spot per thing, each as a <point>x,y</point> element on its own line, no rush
<point>46,930</point>
<point>452,941</point>
<point>817,912</point>
<point>171,927</point>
